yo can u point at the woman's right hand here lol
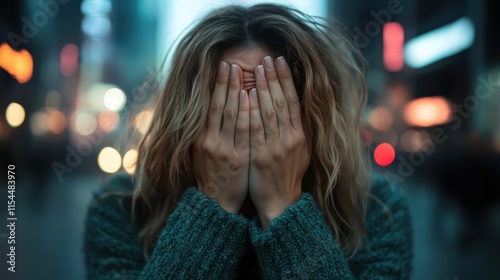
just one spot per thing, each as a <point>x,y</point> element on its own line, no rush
<point>222,152</point>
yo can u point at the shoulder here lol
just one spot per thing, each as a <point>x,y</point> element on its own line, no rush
<point>388,211</point>
<point>118,182</point>
<point>388,245</point>
<point>112,202</point>
<point>386,196</point>
<point>109,232</point>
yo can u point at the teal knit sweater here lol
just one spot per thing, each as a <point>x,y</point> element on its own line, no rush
<point>203,241</point>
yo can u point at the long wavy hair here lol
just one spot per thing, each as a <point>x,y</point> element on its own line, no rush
<point>328,76</point>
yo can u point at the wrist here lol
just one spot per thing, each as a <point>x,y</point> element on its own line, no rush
<point>266,217</point>
<point>229,208</point>
<point>268,214</point>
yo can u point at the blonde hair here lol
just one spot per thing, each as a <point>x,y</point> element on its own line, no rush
<point>329,80</point>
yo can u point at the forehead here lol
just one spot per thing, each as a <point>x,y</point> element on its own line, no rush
<point>246,57</point>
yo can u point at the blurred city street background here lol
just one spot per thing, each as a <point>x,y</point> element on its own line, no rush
<point>72,79</point>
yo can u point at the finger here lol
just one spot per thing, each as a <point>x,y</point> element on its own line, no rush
<point>230,112</point>
<point>218,100</point>
<point>279,102</point>
<point>286,81</point>
<point>242,137</point>
<point>266,106</point>
<point>257,133</point>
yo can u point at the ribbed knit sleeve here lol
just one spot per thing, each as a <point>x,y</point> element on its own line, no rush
<point>200,241</point>
<point>299,244</point>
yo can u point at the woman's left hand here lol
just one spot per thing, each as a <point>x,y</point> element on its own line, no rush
<point>280,153</point>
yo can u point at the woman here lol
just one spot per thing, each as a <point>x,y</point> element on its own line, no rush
<point>253,165</point>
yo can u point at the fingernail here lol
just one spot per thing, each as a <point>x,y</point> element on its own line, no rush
<point>260,71</point>
<point>234,70</point>
<point>242,94</point>
<point>222,68</point>
<point>281,62</point>
<point>268,61</point>
<point>253,94</point>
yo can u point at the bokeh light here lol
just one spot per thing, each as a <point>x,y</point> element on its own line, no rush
<point>384,154</point>
<point>143,120</point>
<point>129,161</point>
<point>414,141</point>
<point>115,99</point>
<point>427,111</point>
<point>393,39</point>
<point>39,123</point>
<point>69,60</point>
<point>57,121</point>
<point>109,160</point>
<point>380,118</point>
<point>18,64</point>
<point>93,97</point>
<point>108,120</point>
<point>84,123</point>
<point>15,114</point>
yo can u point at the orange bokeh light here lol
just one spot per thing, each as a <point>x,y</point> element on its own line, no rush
<point>427,111</point>
<point>18,64</point>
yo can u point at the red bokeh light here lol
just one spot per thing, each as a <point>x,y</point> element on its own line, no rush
<point>384,154</point>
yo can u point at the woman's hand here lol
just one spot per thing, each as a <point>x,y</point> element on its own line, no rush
<point>280,153</point>
<point>221,153</point>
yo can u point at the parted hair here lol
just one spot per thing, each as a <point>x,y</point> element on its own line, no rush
<point>328,75</point>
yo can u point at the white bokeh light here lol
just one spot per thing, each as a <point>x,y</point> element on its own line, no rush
<point>115,99</point>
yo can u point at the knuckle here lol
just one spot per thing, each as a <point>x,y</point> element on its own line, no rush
<point>280,103</point>
<point>224,156</point>
<point>277,157</point>
<point>293,100</point>
<point>229,114</point>
<point>300,139</point>
<point>221,80</point>
<point>241,129</point>
<point>215,108</point>
<point>272,76</point>
<point>206,146</point>
<point>270,116</point>
<point>285,74</point>
<point>234,84</point>
<point>257,129</point>
<point>288,144</point>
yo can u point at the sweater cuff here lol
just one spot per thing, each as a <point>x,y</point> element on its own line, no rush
<point>200,241</point>
<point>298,217</point>
<point>298,243</point>
<point>201,216</point>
